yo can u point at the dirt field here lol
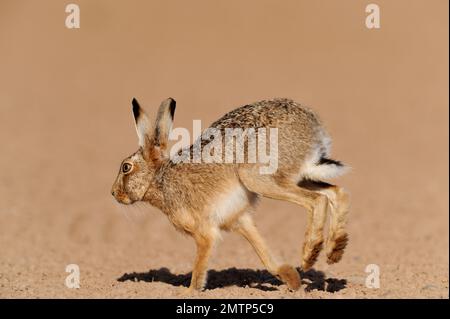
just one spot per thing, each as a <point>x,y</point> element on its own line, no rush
<point>65,126</point>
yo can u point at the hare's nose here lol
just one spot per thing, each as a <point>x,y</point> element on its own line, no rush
<point>113,193</point>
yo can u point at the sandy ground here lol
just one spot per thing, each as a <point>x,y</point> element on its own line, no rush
<point>65,126</point>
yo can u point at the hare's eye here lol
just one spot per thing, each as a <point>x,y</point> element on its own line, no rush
<point>126,167</point>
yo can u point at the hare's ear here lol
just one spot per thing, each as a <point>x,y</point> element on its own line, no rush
<point>164,120</point>
<point>143,127</point>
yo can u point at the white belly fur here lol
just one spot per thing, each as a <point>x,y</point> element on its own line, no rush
<point>229,204</point>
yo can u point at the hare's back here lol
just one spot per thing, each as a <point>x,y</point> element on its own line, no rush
<point>303,146</point>
<point>280,113</point>
<point>299,129</point>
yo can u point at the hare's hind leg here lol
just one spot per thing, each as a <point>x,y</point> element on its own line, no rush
<point>278,187</point>
<point>286,273</point>
<point>337,236</point>
<point>339,207</point>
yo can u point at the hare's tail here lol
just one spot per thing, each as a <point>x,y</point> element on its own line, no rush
<point>325,168</point>
<point>319,166</point>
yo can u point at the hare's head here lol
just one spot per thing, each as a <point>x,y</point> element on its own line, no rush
<point>137,171</point>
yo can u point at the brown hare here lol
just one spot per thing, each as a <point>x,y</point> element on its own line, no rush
<point>201,199</point>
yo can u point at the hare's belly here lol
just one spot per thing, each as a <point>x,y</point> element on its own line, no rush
<point>229,205</point>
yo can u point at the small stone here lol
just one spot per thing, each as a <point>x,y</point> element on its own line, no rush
<point>429,287</point>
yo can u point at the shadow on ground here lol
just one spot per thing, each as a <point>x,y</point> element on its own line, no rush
<point>258,279</point>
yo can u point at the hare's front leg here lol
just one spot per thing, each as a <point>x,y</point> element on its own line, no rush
<point>205,243</point>
<point>286,273</point>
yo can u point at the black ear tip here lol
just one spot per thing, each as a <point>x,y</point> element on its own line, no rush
<point>172,106</point>
<point>136,108</point>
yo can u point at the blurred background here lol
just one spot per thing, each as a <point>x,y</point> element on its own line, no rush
<point>66,124</point>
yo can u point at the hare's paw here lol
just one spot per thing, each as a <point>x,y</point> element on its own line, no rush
<point>290,276</point>
<point>311,251</point>
<point>335,248</point>
<point>188,292</point>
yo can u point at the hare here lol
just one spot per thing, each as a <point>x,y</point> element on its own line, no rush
<point>201,199</point>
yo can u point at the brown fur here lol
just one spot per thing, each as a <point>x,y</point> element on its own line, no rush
<point>290,276</point>
<point>201,199</point>
<point>337,249</point>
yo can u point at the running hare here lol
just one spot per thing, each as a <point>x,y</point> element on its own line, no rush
<point>200,199</point>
